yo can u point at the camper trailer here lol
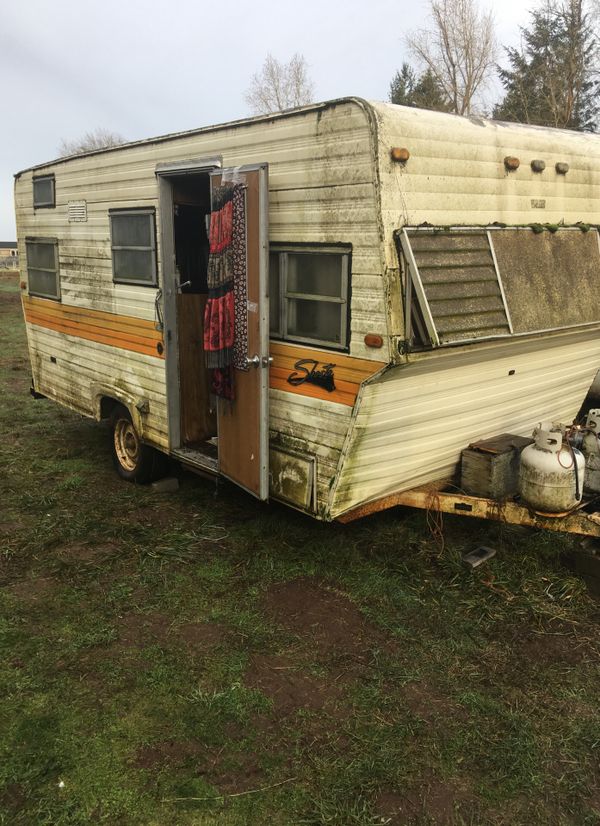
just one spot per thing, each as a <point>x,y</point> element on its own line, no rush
<point>411,282</point>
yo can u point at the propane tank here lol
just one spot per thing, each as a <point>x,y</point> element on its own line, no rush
<point>591,451</point>
<point>551,475</point>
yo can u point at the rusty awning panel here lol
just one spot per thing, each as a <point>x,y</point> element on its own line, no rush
<point>467,284</point>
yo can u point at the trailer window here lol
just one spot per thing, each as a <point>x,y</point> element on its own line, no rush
<point>309,295</point>
<point>42,267</point>
<point>133,244</point>
<point>471,284</point>
<point>44,192</point>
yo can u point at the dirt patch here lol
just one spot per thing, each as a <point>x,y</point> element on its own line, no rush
<point>395,809</point>
<point>9,301</point>
<point>201,636</point>
<point>593,802</point>
<point>232,775</point>
<point>550,648</point>
<point>160,516</point>
<point>36,589</point>
<point>8,528</point>
<point>139,630</point>
<point>12,798</point>
<point>173,752</point>
<point>324,618</point>
<point>429,704</point>
<point>434,799</point>
<point>290,688</point>
<point>80,552</point>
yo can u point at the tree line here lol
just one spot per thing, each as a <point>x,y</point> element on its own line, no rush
<point>551,79</point>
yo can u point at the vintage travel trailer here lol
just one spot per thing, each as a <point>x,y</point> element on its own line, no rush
<point>410,282</point>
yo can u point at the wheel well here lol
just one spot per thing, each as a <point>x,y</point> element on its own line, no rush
<point>107,405</point>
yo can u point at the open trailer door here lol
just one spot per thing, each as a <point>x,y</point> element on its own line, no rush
<point>243,424</point>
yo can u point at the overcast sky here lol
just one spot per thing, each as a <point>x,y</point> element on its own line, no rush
<point>147,67</point>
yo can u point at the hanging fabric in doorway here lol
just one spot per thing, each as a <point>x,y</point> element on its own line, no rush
<point>225,318</point>
<point>240,342</point>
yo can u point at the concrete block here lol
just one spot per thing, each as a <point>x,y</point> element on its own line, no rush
<point>167,485</point>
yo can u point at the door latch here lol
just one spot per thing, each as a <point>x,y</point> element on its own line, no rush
<point>258,361</point>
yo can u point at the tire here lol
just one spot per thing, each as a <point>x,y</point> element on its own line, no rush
<point>133,460</point>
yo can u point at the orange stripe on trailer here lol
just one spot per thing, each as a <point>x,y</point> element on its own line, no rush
<point>348,372</point>
<point>125,332</point>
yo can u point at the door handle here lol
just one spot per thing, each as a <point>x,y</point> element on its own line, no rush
<point>257,361</point>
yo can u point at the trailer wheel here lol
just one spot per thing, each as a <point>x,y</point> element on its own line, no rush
<point>134,461</point>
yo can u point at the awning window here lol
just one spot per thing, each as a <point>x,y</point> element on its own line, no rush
<point>471,284</point>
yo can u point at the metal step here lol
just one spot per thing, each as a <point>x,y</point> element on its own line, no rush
<point>197,459</point>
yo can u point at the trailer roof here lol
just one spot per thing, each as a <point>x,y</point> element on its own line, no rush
<point>286,113</point>
<point>378,110</point>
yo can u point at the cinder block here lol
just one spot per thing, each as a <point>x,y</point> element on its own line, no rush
<point>167,485</point>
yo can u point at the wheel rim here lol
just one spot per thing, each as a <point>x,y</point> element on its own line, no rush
<point>127,444</point>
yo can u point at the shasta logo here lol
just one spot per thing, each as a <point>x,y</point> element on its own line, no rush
<point>306,372</point>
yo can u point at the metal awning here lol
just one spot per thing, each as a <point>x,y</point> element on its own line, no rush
<point>471,283</point>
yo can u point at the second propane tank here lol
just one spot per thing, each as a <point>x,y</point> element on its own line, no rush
<point>551,475</point>
<point>591,450</point>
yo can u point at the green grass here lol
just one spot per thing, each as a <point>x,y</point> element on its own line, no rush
<point>145,660</point>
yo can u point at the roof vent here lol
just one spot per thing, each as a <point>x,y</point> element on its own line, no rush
<point>77,211</point>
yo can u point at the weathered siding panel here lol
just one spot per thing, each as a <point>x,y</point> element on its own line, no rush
<point>321,189</point>
<point>456,174</point>
<point>82,367</point>
<point>414,421</point>
<point>310,426</point>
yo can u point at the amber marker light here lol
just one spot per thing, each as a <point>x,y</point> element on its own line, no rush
<point>23,285</point>
<point>511,163</point>
<point>538,165</point>
<point>373,340</point>
<point>400,154</point>
<point>562,168</point>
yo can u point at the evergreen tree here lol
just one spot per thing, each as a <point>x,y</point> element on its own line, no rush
<point>402,86</point>
<point>424,91</point>
<point>428,93</point>
<point>552,79</point>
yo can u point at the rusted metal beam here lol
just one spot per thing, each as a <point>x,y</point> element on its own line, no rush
<point>429,497</point>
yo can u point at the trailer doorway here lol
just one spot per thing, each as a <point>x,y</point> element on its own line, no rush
<point>185,213</point>
<point>228,435</point>
<point>197,413</point>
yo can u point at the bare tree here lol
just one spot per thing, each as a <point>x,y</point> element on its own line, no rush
<point>459,49</point>
<point>280,86</point>
<point>98,138</point>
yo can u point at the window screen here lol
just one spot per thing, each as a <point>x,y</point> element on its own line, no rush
<point>464,285</point>
<point>43,191</point>
<point>42,267</point>
<point>309,295</point>
<point>133,244</point>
